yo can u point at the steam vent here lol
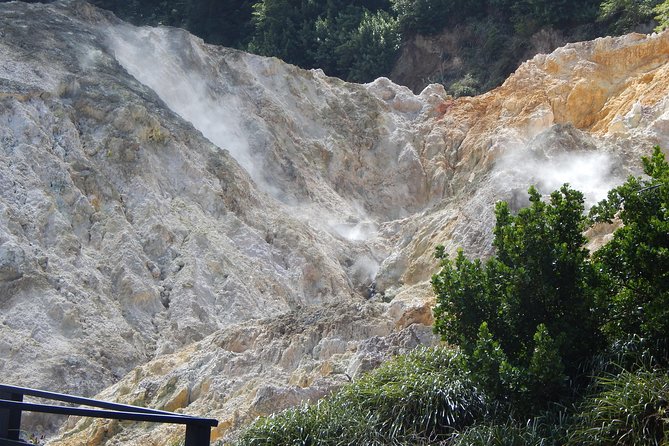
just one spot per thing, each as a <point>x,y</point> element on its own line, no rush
<point>197,229</point>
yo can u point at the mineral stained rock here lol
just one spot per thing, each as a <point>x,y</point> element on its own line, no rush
<point>194,228</point>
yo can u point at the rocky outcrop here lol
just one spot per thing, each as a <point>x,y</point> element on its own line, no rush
<point>194,228</point>
<point>255,368</point>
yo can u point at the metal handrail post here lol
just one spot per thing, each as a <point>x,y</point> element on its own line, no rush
<point>10,418</point>
<point>197,435</point>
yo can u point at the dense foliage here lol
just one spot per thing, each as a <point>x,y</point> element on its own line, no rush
<point>662,15</point>
<point>625,15</point>
<point>224,22</point>
<point>359,40</point>
<point>636,260</point>
<point>528,316</point>
<point>432,16</point>
<point>529,330</point>
<point>344,38</point>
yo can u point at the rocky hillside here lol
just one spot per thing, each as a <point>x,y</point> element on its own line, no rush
<point>195,228</point>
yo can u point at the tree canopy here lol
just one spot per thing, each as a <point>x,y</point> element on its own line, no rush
<point>636,261</point>
<point>359,40</point>
<point>528,315</point>
<point>531,316</point>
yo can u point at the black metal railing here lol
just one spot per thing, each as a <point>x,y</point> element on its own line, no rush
<point>198,430</point>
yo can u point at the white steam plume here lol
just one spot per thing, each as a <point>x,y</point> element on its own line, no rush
<point>560,154</point>
<point>149,54</point>
<point>588,172</point>
<point>177,70</point>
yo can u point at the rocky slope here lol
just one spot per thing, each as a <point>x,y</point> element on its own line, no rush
<point>194,228</point>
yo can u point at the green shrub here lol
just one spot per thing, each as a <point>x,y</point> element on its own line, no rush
<point>533,304</point>
<point>623,16</point>
<point>635,262</point>
<point>466,86</point>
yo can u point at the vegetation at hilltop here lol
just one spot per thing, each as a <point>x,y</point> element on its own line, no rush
<point>547,343</point>
<point>359,40</point>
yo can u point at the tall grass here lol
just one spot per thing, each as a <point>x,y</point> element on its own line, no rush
<point>499,435</point>
<point>503,429</point>
<point>427,398</point>
<point>415,399</point>
<point>629,408</point>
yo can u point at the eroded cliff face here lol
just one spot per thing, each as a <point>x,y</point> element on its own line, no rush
<point>194,228</point>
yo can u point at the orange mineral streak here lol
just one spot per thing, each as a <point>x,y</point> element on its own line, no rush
<point>587,84</point>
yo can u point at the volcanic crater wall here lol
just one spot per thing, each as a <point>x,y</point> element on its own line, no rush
<point>192,227</point>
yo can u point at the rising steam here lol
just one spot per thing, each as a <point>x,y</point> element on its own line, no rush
<point>172,70</point>
<point>559,155</point>
<point>588,172</point>
<point>185,78</point>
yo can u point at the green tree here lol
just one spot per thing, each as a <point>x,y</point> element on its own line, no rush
<point>432,16</point>
<point>356,44</point>
<point>345,39</point>
<point>636,261</point>
<point>662,16</point>
<point>284,29</point>
<point>625,15</point>
<point>535,300</point>
<point>369,51</point>
<point>531,15</point>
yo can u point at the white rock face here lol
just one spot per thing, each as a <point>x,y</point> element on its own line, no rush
<point>191,227</point>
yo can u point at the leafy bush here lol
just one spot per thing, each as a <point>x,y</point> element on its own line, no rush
<point>636,261</point>
<point>422,396</point>
<point>467,86</point>
<point>625,15</point>
<point>661,12</point>
<point>530,310</point>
